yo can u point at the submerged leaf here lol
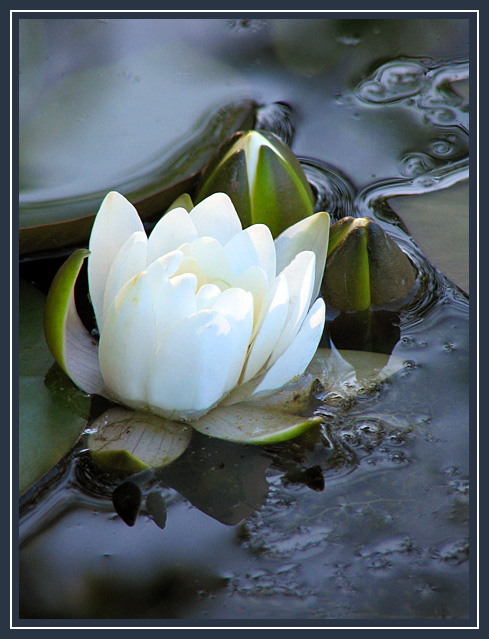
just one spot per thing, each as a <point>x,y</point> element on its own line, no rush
<point>53,412</point>
<point>127,499</point>
<point>156,508</point>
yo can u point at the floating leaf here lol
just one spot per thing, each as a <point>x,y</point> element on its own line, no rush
<point>248,423</point>
<point>439,224</point>
<point>53,412</point>
<point>127,441</point>
<point>78,154</point>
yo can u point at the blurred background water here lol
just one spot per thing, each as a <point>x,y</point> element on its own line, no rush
<point>365,517</point>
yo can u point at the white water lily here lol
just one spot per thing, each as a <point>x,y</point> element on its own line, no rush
<point>200,313</point>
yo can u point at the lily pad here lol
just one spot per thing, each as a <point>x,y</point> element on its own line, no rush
<point>127,441</point>
<point>439,224</point>
<point>53,412</point>
<point>128,121</point>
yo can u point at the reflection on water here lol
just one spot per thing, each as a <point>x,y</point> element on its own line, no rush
<point>364,517</point>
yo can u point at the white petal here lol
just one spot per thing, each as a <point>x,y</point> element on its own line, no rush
<point>255,280</point>
<point>207,260</point>
<point>310,234</point>
<point>270,330</point>
<point>206,296</point>
<point>174,228</point>
<point>190,370</point>
<point>116,221</point>
<point>216,217</point>
<point>171,262</point>
<point>128,342</point>
<point>173,301</point>
<point>236,305</point>
<point>300,280</point>
<point>253,246</point>
<point>129,261</point>
<point>296,358</point>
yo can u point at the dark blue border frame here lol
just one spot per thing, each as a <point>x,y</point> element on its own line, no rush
<point>472,621</point>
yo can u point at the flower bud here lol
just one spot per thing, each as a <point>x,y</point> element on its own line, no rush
<point>263,178</point>
<point>364,267</point>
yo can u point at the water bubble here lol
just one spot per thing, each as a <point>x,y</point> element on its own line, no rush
<point>277,118</point>
<point>414,164</point>
<point>348,41</point>
<point>442,148</point>
<point>333,190</point>
<point>393,81</point>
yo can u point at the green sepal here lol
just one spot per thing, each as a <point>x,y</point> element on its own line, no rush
<point>58,302</point>
<point>365,267</point>
<point>72,346</point>
<point>183,201</point>
<point>278,197</point>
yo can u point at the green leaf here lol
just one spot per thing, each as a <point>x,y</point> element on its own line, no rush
<point>127,441</point>
<point>53,412</point>
<point>72,346</point>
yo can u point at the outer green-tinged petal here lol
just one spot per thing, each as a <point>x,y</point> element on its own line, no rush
<point>216,217</point>
<point>128,441</point>
<point>250,424</point>
<point>174,228</point>
<point>75,350</point>
<point>191,368</point>
<point>296,358</point>
<point>310,234</point>
<point>270,330</point>
<point>116,221</point>
<point>130,261</point>
<point>254,245</point>
<point>300,280</point>
<point>128,341</point>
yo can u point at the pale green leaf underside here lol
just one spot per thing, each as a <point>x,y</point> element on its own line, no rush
<point>250,423</point>
<point>128,440</point>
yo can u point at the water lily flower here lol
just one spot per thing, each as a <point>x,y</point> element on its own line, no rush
<point>199,313</point>
<point>263,178</point>
<point>365,267</point>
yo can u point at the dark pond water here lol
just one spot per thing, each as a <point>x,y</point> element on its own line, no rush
<point>365,517</point>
